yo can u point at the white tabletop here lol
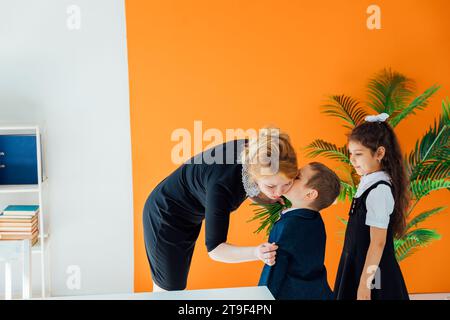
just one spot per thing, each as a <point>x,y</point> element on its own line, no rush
<point>430,296</point>
<point>243,293</point>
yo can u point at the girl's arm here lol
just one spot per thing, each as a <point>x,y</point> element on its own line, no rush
<point>229,253</point>
<point>373,257</point>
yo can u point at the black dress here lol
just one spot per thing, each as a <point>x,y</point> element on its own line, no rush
<point>389,282</point>
<point>174,211</point>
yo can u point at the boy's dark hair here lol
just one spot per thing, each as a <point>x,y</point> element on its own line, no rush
<point>327,184</point>
<point>373,135</point>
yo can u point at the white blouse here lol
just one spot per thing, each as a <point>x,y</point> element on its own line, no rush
<point>380,201</point>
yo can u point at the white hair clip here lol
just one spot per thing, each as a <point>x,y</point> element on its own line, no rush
<point>378,118</point>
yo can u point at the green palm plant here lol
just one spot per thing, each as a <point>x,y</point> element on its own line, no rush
<point>428,165</point>
<point>268,214</point>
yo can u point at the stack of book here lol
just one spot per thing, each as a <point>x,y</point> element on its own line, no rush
<point>19,222</point>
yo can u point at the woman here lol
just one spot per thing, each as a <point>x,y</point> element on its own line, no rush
<point>204,189</point>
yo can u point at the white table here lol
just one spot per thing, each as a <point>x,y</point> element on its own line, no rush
<point>243,293</point>
<point>16,250</point>
<point>430,296</point>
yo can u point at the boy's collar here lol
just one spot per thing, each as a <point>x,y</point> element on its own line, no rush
<point>300,212</point>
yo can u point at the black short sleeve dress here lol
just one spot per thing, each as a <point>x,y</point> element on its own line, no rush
<point>207,187</point>
<point>388,281</point>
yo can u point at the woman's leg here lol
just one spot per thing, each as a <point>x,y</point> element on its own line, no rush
<point>169,244</point>
<point>169,265</point>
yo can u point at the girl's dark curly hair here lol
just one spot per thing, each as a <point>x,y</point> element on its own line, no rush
<point>373,135</point>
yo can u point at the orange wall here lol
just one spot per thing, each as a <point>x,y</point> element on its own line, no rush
<point>245,64</point>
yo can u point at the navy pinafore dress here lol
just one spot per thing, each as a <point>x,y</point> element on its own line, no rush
<point>388,283</point>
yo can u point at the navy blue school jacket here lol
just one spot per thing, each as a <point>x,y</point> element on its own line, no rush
<point>299,271</point>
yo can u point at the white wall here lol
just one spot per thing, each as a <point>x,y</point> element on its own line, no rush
<point>75,84</point>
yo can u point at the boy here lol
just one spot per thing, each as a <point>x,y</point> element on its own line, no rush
<point>299,271</point>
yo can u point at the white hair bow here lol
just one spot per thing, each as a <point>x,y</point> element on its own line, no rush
<point>378,118</point>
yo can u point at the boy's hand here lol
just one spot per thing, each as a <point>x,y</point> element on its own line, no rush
<point>266,252</point>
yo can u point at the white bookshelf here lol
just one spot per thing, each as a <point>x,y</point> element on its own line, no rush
<point>39,249</point>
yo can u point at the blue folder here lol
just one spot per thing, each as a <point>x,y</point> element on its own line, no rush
<point>18,159</point>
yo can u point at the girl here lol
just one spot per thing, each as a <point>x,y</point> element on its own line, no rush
<point>210,190</point>
<point>368,268</point>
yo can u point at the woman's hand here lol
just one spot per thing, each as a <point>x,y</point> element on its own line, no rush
<point>263,199</point>
<point>279,200</point>
<point>266,252</point>
<point>363,292</point>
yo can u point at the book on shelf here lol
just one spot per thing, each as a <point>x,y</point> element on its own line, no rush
<point>34,240</point>
<point>4,218</point>
<point>20,210</point>
<point>17,223</point>
<point>21,226</point>
<point>18,235</point>
<point>12,228</point>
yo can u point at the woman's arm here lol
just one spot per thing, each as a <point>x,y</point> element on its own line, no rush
<point>373,257</point>
<point>229,253</point>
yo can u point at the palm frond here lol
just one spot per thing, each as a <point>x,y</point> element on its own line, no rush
<point>413,240</point>
<point>389,91</point>
<point>419,103</point>
<point>345,108</point>
<point>347,173</point>
<point>341,233</point>
<point>268,214</point>
<point>329,150</point>
<point>446,110</point>
<point>432,150</point>
<point>420,189</point>
<point>348,190</point>
<point>348,180</point>
<point>423,216</point>
<point>343,221</point>
<point>432,169</point>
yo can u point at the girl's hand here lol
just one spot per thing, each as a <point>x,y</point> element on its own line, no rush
<point>363,292</point>
<point>266,252</point>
